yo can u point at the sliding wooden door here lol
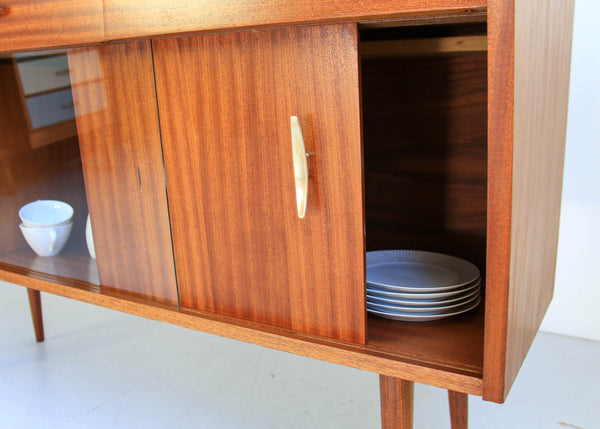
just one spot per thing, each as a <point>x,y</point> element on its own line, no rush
<point>241,249</point>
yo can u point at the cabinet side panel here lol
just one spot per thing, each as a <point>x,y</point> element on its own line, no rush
<point>225,103</point>
<point>542,67</point>
<point>121,154</point>
<point>500,139</point>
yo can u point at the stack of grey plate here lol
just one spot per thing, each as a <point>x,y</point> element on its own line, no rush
<point>419,286</point>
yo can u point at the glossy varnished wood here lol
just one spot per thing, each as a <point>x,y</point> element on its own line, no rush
<point>499,203</point>
<point>35,305</point>
<point>543,34</point>
<point>529,57</point>
<point>122,160</point>
<point>397,402</point>
<point>225,103</point>
<point>459,409</point>
<point>511,234</point>
<point>60,23</point>
<point>454,342</point>
<point>34,24</point>
<point>355,356</point>
<point>126,18</point>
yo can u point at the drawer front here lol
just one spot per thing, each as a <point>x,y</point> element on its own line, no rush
<point>45,74</point>
<point>51,108</point>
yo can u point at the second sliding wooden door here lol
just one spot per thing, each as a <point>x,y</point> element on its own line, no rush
<point>241,249</point>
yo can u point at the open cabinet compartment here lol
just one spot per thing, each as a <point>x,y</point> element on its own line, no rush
<point>48,172</point>
<point>425,172</point>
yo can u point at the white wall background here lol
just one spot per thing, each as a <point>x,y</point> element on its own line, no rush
<point>575,310</point>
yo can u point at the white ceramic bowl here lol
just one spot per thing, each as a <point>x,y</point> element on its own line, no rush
<point>47,241</point>
<point>45,213</point>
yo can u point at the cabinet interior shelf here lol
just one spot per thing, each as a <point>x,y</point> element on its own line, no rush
<point>451,346</point>
<point>423,47</point>
<point>72,266</point>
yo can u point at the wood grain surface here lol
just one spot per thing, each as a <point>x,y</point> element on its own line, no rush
<point>61,23</point>
<point>127,18</point>
<point>529,51</point>
<point>36,24</point>
<point>35,305</point>
<point>355,356</point>
<point>120,144</point>
<point>425,154</point>
<point>543,34</point>
<point>455,342</point>
<point>397,403</point>
<point>499,205</point>
<point>459,410</point>
<point>225,103</point>
<point>423,47</point>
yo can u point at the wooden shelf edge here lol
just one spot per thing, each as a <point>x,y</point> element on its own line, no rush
<point>470,16</point>
<point>52,133</point>
<point>424,47</point>
<point>355,356</point>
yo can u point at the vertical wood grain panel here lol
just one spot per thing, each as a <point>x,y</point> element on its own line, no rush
<point>543,35</point>
<point>529,54</point>
<point>35,24</point>
<point>121,154</point>
<point>425,156</point>
<point>500,138</point>
<point>225,103</point>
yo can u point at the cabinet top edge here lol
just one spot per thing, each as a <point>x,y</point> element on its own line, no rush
<point>49,24</point>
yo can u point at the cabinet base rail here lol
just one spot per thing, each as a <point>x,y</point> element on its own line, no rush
<point>362,357</point>
<point>396,395</point>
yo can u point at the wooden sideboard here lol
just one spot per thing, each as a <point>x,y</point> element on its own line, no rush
<point>435,125</point>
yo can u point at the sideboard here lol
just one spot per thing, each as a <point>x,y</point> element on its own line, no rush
<point>434,125</point>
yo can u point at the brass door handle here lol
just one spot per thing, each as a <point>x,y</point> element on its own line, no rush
<point>300,166</point>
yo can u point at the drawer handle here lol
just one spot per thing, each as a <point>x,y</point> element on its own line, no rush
<point>67,106</point>
<point>61,72</point>
<point>300,166</point>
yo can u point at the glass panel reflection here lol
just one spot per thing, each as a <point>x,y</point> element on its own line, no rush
<point>40,160</point>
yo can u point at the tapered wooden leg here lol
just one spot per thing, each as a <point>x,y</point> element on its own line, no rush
<point>35,304</point>
<point>396,403</point>
<point>459,409</point>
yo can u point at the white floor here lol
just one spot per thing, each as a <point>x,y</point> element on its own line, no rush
<point>103,369</point>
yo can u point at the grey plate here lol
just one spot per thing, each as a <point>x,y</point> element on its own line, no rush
<point>423,317</point>
<point>418,271</point>
<point>445,308</point>
<point>460,298</point>
<point>384,293</point>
